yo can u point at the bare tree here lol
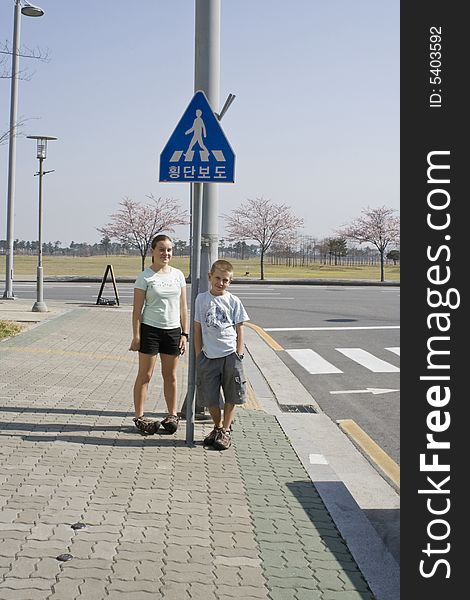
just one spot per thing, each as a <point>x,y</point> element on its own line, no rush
<point>16,130</point>
<point>262,221</point>
<point>6,50</point>
<point>137,224</point>
<point>378,226</point>
<point>5,73</point>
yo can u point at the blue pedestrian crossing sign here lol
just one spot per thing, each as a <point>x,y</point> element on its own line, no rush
<point>198,150</point>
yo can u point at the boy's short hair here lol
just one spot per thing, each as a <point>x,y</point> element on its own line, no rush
<point>222,265</point>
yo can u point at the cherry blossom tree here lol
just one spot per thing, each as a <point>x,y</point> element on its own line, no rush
<point>263,221</point>
<point>378,226</point>
<point>136,224</point>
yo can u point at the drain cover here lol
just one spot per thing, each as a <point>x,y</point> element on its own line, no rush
<point>297,408</point>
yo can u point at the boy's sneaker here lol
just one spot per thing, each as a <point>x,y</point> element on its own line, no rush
<point>209,439</point>
<point>223,440</point>
<point>146,426</point>
<point>170,423</point>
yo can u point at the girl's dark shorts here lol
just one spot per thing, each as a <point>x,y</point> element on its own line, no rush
<point>154,340</point>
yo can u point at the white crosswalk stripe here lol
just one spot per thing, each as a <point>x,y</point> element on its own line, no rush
<point>315,364</point>
<point>312,362</point>
<point>368,360</point>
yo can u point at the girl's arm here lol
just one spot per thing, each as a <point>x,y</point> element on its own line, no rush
<point>183,319</point>
<point>139,299</point>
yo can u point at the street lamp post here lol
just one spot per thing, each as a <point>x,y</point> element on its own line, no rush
<point>40,305</point>
<point>30,11</point>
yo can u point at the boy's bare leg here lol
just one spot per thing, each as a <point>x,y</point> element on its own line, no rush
<point>169,365</point>
<point>216,415</point>
<point>141,385</point>
<point>229,413</point>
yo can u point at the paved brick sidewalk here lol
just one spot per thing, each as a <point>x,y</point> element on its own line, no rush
<point>163,519</point>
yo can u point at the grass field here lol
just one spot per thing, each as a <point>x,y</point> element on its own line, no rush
<point>129,266</point>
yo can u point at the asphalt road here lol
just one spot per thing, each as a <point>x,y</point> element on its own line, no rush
<point>341,342</point>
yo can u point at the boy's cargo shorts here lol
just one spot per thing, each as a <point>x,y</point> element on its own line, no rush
<point>216,373</point>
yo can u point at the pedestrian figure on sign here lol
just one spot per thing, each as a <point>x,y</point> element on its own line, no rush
<point>199,131</point>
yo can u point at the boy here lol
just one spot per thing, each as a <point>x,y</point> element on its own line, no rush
<point>219,347</point>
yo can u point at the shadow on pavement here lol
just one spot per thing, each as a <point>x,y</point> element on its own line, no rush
<point>382,573</point>
<point>165,439</point>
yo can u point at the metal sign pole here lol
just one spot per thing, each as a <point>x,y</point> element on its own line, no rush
<point>197,197</point>
<point>207,79</point>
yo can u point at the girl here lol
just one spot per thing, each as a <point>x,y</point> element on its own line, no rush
<point>159,326</point>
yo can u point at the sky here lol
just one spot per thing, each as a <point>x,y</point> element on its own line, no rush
<point>314,125</point>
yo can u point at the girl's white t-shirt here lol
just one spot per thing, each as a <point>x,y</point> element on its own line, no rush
<point>162,297</point>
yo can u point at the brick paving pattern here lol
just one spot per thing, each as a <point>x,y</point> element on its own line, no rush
<point>164,519</point>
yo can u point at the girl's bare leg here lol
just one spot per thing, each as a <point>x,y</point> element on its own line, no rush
<point>141,385</point>
<point>169,365</point>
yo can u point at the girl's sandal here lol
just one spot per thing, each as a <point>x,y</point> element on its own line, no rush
<point>146,426</point>
<point>170,423</point>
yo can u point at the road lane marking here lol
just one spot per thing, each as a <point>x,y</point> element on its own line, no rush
<point>265,288</point>
<point>395,350</point>
<point>368,360</point>
<point>262,297</point>
<point>312,362</point>
<point>366,391</point>
<point>329,328</point>
<point>264,293</point>
<point>386,464</point>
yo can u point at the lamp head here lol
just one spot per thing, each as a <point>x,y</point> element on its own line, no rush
<point>41,144</point>
<point>29,10</point>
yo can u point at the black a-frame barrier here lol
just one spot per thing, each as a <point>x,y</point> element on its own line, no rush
<point>107,301</point>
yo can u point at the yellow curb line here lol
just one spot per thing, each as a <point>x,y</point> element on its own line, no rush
<point>266,337</point>
<point>386,464</point>
<point>252,402</point>
<point>70,353</point>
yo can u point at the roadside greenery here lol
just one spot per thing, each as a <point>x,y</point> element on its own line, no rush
<point>130,266</point>
<point>8,329</point>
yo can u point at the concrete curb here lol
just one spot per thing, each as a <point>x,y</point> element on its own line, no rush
<point>347,483</point>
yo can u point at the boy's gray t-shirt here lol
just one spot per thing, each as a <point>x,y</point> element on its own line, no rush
<point>218,316</point>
